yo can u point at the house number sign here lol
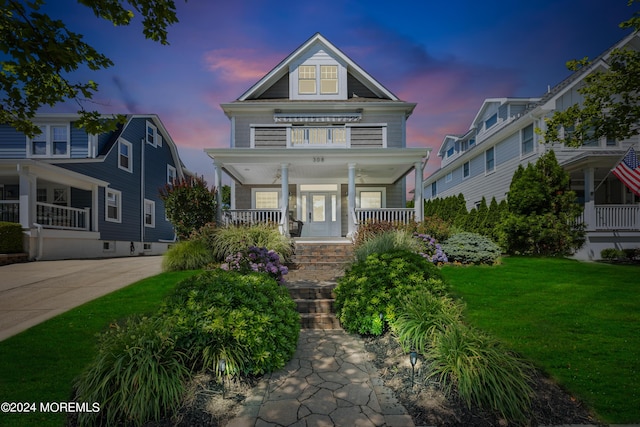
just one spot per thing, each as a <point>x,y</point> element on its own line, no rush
<point>318,160</point>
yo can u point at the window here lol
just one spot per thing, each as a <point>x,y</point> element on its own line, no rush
<point>465,170</point>
<point>307,79</point>
<point>489,160</point>
<point>491,121</point>
<point>611,142</point>
<point>149,213</point>
<point>328,79</point>
<point>527,140</point>
<point>449,177</point>
<point>266,199</point>
<point>113,206</point>
<point>152,134</point>
<point>433,189</point>
<point>172,174</point>
<point>124,156</point>
<point>53,141</point>
<point>60,197</point>
<point>450,152</point>
<point>370,199</point>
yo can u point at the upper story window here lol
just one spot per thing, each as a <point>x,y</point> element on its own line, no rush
<point>527,140</point>
<point>307,79</point>
<point>328,79</point>
<point>53,141</point>
<point>490,161</point>
<point>153,137</point>
<point>491,121</point>
<point>125,156</point>
<point>466,168</point>
<point>450,151</point>
<point>172,174</point>
<point>318,80</point>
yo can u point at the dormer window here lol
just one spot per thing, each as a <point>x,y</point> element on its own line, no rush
<point>53,141</point>
<point>307,80</point>
<point>328,79</point>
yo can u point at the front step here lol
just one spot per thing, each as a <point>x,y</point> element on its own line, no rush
<point>314,300</point>
<point>317,260</point>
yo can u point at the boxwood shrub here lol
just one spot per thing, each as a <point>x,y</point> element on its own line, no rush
<point>246,319</point>
<point>376,285</point>
<point>471,248</point>
<point>10,238</point>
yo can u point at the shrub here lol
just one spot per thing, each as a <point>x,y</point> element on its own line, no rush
<point>482,371</point>
<point>371,229</point>
<point>376,285</point>
<point>260,260</point>
<point>422,317</point>
<point>248,320</point>
<point>384,242</point>
<point>430,249</point>
<point>236,238</point>
<point>10,237</point>
<point>136,376</point>
<point>189,204</point>
<point>468,248</point>
<point>611,254</point>
<point>187,255</point>
<point>434,226</point>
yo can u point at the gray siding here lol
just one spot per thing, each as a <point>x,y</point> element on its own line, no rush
<point>270,137</point>
<point>280,90</point>
<point>79,143</point>
<point>355,87</point>
<point>366,137</point>
<point>243,127</point>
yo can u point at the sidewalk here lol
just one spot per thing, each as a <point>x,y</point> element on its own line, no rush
<point>329,382</point>
<point>33,292</point>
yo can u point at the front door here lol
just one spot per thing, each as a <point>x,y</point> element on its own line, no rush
<point>320,213</point>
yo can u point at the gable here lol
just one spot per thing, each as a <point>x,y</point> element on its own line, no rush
<point>326,73</point>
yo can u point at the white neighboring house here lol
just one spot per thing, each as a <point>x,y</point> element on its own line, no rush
<point>319,140</point>
<point>481,162</point>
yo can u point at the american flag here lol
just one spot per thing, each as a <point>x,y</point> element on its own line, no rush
<point>628,171</point>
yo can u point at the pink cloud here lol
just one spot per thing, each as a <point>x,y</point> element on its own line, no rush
<point>238,65</point>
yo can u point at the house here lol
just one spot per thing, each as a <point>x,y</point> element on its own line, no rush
<point>319,140</point>
<point>79,195</point>
<point>481,162</point>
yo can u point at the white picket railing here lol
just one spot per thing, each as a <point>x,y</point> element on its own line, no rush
<point>63,217</point>
<point>398,215</point>
<point>617,217</point>
<point>251,216</point>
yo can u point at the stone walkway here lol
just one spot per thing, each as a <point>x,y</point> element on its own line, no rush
<point>329,382</point>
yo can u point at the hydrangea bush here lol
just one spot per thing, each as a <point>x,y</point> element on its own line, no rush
<point>431,249</point>
<point>257,259</point>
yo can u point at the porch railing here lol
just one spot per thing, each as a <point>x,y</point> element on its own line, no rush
<point>401,215</point>
<point>617,217</point>
<point>251,216</point>
<point>63,217</point>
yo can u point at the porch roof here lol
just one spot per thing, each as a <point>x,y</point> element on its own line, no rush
<point>313,165</point>
<point>49,172</point>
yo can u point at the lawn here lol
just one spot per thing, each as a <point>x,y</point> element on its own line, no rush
<point>579,322</point>
<point>40,364</point>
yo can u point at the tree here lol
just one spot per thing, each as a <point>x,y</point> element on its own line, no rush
<point>189,205</point>
<point>42,52</point>
<point>542,211</point>
<point>611,106</point>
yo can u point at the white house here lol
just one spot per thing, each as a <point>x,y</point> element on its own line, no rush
<point>481,162</point>
<point>319,140</point>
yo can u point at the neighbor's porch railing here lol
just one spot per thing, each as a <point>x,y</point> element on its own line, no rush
<point>616,217</point>
<point>9,211</point>
<point>401,215</point>
<point>63,217</point>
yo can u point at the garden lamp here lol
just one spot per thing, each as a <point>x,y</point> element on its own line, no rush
<point>222,366</point>
<point>413,358</point>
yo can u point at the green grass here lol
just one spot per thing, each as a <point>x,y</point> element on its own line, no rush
<point>40,364</point>
<point>579,322</point>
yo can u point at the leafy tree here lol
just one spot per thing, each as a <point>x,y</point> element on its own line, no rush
<point>542,211</point>
<point>39,54</point>
<point>189,205</point>
<point>611,105</point>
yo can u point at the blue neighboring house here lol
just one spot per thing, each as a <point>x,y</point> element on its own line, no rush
<point>79,195</point>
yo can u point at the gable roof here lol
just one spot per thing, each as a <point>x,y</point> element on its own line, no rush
<point>317,39</point>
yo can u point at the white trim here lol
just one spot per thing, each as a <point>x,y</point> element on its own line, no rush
<point>118,195</point>
<point>48,141</point>
<point>175,174</point>
<point>155,142</point>
<point>265,190</point>
<point>152,204</point>
<point>382,190</point>
<point>122,141</point>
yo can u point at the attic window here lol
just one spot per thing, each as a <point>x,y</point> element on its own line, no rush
<point>328,79</point>
<point>307,79</point>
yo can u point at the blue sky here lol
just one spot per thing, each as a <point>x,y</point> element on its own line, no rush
<point>446,56</point>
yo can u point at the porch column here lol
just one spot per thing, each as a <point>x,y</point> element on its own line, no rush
<point>351,200</point>
<point>217,183</point>
<point>28,190</point>
<point>94,208</point>
<point>417,192</point>
<point>589,200</point>
<point>284,178</point>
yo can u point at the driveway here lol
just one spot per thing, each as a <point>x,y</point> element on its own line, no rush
<point>33,292</point>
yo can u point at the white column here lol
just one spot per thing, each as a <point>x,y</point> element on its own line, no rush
<point>28,190</point>
<point>589,199</point>
<point>284,178</point>
<point>351,199</point>
<point>217,183</point>
<point>95,215</point>
<point>417,192</point>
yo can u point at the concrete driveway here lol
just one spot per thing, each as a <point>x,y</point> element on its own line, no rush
<point>36,291</point>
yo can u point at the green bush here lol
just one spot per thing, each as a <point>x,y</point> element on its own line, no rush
<point>248,320</point>
<point>386,241</point>
<point>371,229</point>
<point>136,376</point>
<point>471,248</point>
<point>187,255</point>
<point>10,238</point>
<point>610,254</point>
<point>376,285</point>
<point>236,238</point>
<point>422,317</point>
<point>483,372</point>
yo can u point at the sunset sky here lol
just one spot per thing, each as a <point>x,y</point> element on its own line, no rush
<point>447,56</point>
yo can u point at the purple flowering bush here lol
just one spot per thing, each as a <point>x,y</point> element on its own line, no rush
<point>431,249</point>
<point>258,259</point>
